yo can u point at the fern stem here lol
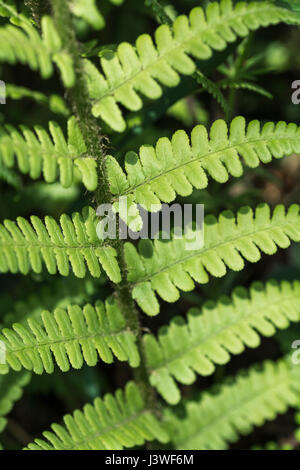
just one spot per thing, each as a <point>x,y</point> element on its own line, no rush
<point>77,96</point>
<point>81,107</point>
<point>38,8</point>
<point>238,68</point>
<point>159,12</point>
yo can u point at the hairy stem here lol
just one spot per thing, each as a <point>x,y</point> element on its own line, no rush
<point>38,8</point>
<point>78,98</point>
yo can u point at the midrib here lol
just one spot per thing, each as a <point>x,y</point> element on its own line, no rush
<point>226,415</point>
<point>42,152</point>
<point>196,345</point>
<point>161,57</point>
<point>49,342</point>
<point>212,248</point>
<point>264,139</point>
<point>38,244</point>
<point>97,435</point>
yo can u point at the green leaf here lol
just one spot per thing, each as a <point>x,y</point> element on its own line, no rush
<point>22,42</point>
<point>219,329</point>
<point>25,246</point>
<point>65,64</point>
<point>8,10</point>
<point>246,85</point>
<point>143,68</point>
<point>54,102</point>
<point>111,423</point>
<point>182,163</point>
<point>39,153</point>
<point>51,37</point>
<point>70,338</point>
<point>166,267</point>
<point>218,419</point>
<point>213,89</point>
<point>88,10</point>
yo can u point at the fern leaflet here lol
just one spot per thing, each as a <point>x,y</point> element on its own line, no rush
<point>178,165</point>
<point>87,9</point>
<point>70,338</point>
<point>110,424</point>
<point>246,85</point>
<point>74,242</point>
<point>211,335</point>
<point>54,102</point>
<point>143,67</point>
<point>166,266</point>
<point>21,42</point>
<point>213,89</point>
<point>40,153</point>
<point>218,419</point>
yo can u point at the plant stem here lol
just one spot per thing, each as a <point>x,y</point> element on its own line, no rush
<point>80,103</point>
<point>38,9</point>
<point>78,97</point>
<point>238,67</point>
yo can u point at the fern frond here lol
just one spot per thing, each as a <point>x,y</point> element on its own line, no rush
<point>17,92</point>
<point>167,266</point>
<point>141,69</point>
<point>21,42</point>
<point>213,89</point>
<point>70,339</point>
<point>54,102</point>
<point>25,246</point>
<point>252,399</point>
<point>246,85</point>
<point>25,47</point>
<point>111,423</point>
<point>88,10</point>
<point>210,335</point>
<point>11,389</point>
<point>39,153</point>
<point>178,165</point>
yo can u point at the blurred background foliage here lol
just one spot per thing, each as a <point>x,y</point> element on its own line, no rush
<point>255,81</point>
